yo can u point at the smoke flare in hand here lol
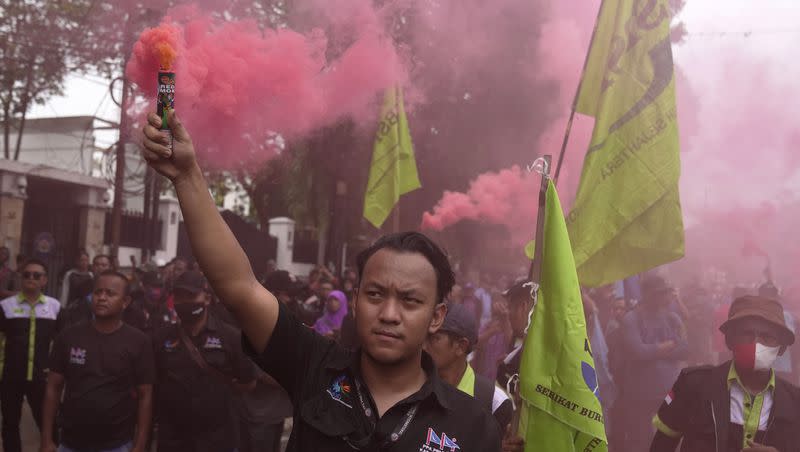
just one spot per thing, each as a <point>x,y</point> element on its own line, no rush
<point>158,46</point>
<point>240,86</point>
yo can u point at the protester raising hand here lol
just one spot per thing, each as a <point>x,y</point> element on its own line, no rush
<point>171,163</point>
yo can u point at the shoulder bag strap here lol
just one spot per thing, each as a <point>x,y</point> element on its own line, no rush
<point>198,359</point>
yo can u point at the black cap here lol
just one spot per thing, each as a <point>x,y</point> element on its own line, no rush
<point>152,279</point>
<point>191,281</point>
<point>521,286</point>
<point>278,281</point>
<point>460,322</point>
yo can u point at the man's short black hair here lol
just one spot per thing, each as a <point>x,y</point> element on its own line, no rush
<point>34,262</point>
<point>101,256</point>
<point>127,291</point>
<point>82,253</point>
<point>415,242</point>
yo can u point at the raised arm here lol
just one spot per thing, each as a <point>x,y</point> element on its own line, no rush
<point>222,259</point>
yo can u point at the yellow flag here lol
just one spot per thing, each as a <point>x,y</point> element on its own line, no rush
<point>561,410</point>
<point>394,170</point>
<point>627,215</point>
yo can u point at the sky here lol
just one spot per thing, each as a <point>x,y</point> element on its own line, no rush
<point>714,26</point>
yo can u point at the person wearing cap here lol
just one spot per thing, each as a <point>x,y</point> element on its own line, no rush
<point>101,377</point>
<point>156,312</point>
<point>200,366</point>
<point>740,405</point>
<point>449,347</point>
<point>520,304</point>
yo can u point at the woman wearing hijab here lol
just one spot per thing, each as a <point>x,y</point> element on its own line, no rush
<point>335,311</point>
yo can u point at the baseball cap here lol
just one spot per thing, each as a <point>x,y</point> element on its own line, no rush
<point>191,281</point>
<point>278,281</point>
<point>152,279</point>
<point>519,287</point>
<point>460,322</point>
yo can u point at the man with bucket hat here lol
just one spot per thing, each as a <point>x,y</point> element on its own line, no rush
<point>740,405</point>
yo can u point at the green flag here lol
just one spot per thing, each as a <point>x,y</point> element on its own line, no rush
<point>394,170</point>
<point>558,384</point>
<point>627,215</point>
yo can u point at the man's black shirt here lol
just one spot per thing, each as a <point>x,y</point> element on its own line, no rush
<point>322,379</point>
<point>191,400</point>
<point>101,373</point>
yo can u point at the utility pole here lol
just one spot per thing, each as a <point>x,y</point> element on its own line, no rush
<point>119,176</point>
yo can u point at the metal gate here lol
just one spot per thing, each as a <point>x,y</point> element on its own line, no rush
<point>50,209</point>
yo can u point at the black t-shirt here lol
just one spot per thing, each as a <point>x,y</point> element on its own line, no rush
<point>322,379</point>
<point>191,400</point>
<point>101,373</point>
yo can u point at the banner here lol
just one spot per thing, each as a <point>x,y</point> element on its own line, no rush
<point>627,215</point>
<point>558,382</point>
<point>393,171</point>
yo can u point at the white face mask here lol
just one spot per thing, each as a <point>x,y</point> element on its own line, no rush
<point>755,356</point>
<point>765,357</point>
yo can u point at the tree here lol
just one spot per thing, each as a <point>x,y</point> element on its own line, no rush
<point>41,44</point>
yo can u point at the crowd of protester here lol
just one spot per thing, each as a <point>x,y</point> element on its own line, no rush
<point>125,360</point>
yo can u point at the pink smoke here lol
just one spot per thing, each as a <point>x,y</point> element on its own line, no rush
<point>505,196</point>
<point>238,85</point>
<point>571,29</point>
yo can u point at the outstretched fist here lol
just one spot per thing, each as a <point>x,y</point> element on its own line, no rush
<point>171,156</point>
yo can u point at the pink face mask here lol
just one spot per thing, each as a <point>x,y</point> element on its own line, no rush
<point>755,356</point>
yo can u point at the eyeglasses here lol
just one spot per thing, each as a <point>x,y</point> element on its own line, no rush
<point>32,275</point>
<point>752,335</point>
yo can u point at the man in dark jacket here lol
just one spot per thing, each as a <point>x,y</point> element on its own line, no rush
<point>740,405</point>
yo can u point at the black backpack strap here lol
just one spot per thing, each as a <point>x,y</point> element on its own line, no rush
<point>484,392</point>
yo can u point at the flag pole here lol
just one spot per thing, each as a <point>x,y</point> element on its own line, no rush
<point>568,130</point>
<point>536,263</point>
<point>542,165</point>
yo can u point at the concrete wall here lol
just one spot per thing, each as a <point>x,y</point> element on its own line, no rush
<point>282,228</point>
<point>66,143</point>
<point>169,213</point>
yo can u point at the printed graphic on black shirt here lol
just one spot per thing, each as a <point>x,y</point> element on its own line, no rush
<point>101,374</point>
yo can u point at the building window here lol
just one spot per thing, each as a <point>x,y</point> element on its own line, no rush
<point>173,218</point>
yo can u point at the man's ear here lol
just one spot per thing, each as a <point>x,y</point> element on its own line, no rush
<point>439,312</point>
<point>126,302</point>
<point>463,346</point>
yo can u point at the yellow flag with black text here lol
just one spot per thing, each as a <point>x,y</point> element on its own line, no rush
<point>561,410</point>
<point>627,218</point>
<point>393,171</point>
